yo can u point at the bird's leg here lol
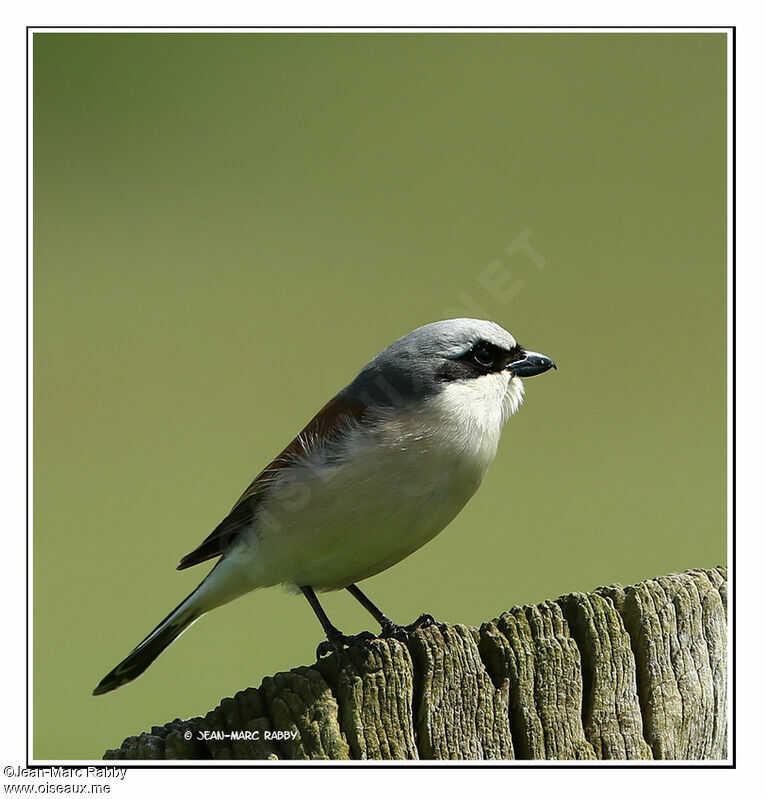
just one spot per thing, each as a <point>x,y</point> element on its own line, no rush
<point>330,630</point>
<point>335,638</point>
<point>388,627</point>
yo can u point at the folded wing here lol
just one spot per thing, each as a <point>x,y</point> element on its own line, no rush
<point>333,418</point>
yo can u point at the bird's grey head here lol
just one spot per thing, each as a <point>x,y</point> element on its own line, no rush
<point>428,360</point>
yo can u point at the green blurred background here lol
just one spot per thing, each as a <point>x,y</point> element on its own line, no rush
<point>227,226</point>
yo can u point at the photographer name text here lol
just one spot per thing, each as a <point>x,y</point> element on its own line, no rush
<point>62,772</point>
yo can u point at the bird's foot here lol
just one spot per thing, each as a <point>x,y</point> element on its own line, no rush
<point>392,630</point>
<point>336,642</point>
<point>423,620</point>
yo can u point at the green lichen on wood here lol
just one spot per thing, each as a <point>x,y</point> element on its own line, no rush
<point>619,673</point>
<point>611,712</point>
<point>457,704</point>
<point>545,684</point>
<point>677,626</point>
<point>374,690</point>
<point>300,701</point>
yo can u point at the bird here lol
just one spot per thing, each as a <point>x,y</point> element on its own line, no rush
<point>379,471</point>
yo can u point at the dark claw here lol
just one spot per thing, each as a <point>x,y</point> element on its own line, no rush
<point>336,643</point>
<point>392,630</point>
<point>423,621</point>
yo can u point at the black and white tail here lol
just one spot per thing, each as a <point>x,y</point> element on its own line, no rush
<point>225,582</point>
<point>161,637</point>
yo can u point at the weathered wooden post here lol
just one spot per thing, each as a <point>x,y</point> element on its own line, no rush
<point>618,673</point>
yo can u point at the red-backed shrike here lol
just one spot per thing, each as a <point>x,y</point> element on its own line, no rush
<point>378,472</point>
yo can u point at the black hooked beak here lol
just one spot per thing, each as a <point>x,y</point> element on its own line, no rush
<point>533,363</point>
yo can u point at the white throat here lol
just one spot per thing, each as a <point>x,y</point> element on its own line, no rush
<point>473,412</point>
<point>487,401</point>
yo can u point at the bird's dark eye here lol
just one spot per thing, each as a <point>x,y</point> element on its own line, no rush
<point>483,355</point>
